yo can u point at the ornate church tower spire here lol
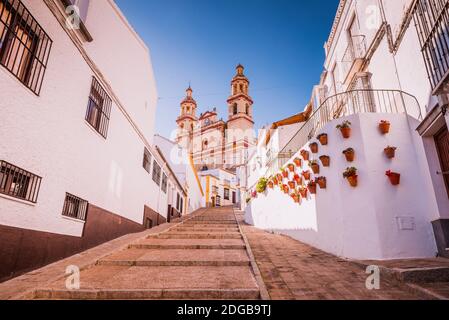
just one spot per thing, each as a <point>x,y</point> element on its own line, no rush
<point>187,120</point>
<point>240,133</point>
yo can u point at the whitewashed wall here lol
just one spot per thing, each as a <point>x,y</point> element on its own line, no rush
<point>362,222</point>
<point>48,135</point>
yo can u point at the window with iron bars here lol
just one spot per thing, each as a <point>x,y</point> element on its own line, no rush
<point>75,207</point>
<point>226,194</point>
<point>99,108</point>
<point>18,183</point>
<point>24,46</point>
<point>147,160</point>
<point>157,173</point>
<point>164,183</point>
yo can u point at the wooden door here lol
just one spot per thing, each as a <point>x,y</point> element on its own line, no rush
<point>442,143</point>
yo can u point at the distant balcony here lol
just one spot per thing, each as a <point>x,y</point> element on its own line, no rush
<point>353,57</point>
<point>431,19</point>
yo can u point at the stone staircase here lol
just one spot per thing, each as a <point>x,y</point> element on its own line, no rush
<point>202,258</point>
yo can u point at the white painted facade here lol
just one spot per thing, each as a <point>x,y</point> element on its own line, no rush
<point>49,136</point>
<point>385,54</point>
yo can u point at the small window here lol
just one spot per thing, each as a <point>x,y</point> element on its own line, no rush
<point>147,160</point>
<point>226,194</point>
<point>75,207</point>
<point>164,183</point>
<point>178,201</point>
<point>156,173</point>
<point>99,108</point>
<point>181,206</point>
<point>234,109</point>
<point>18,183</point>
<point>24,46</point>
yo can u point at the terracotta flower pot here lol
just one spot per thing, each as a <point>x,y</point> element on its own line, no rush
<point>353,181</point>
<point>286,189</point>
<point>275,181</point>
<point>326,161</point>
<point>285,174</point>
<point>292,184</point>
<point>322,182</point>
<point>346,132</point>
<point>298,179</point>
<point>312,188</point>
<point>315,168</point>
<point>291,167</point>
<point>306,175</point>
<point>271,185</point>
<point>279,178</point>
<point>390,153</point>
<point>323,138</point>
<point>395,178</point>
<point>298,162</point>
<point>303,193</point>
<point>296,197</point>
<point>350,155</point>
<point>314,147</point>
<point>305,154</point>
<point>384,127</point>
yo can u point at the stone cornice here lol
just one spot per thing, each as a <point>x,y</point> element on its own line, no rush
<point>337,19</point>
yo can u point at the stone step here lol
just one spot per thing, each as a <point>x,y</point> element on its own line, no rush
<point>190,222</point>
<point>187,258</point>
<point>197,235</point>
<point>203,244</point>
<point>199,229</point>
<point>115,282</point>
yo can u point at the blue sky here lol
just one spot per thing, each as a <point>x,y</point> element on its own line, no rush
<point>280,43</point>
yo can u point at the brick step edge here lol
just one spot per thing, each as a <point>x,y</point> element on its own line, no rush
<point>157,294</point>
<point>119,263</point>
<point>187,246</point>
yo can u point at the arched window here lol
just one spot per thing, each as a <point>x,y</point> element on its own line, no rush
<point>234,109</point>
<point>205,144</point>
<point>247,109</point>
<point>235,88</point>
<point>241,87</point>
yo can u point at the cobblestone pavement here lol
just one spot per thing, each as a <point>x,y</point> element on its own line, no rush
<point>294,271</point>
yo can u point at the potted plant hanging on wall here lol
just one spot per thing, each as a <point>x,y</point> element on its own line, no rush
<point>326,161</point>
<point>298,162</point>
<point>284,173</point>
<point>275,180</point>
<point>384,127</point>
<point>261,185</point>
<point>322,182</point>
<point>351,175</point>
<point>314,166</point>
<point>292,184</point>
<point>305,154</point>
<point>297,179</point>
<point>270,184</point>
<point>303,192</point>
<point>306,175</point>
<point>285,188</point>
<point>345,129</point>
<point>279,178</point>
<point>349,154</point>
<point>291,167</point>
<point>295,197</point>
<point>254,194</point>
<point>323,138</point>
<point>314,147</point>
<point>395,178</point>
<point>390,152</point>
<point>312,187</point>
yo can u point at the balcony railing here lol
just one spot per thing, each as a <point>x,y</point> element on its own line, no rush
<point>431,19</point>
<point>356,50</point>
<point>343,105</point>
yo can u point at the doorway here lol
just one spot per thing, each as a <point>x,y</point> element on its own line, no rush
<point>442,144</point>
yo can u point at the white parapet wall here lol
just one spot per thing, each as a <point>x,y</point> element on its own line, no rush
<point>375,220</point>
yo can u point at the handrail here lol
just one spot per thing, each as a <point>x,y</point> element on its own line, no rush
<point>349,103</point>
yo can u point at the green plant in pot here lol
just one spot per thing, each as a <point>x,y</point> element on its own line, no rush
<point>351,175</point>
<point>345,129</point>
<point>314,166</point>
<point>262,185</point>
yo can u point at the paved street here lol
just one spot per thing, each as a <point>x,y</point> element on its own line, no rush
<point>206,257</point>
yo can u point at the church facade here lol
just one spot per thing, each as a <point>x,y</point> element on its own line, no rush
<point>213,142</point>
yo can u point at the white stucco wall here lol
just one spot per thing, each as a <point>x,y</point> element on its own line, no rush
<point>362,222</point>
<point>48,135</point>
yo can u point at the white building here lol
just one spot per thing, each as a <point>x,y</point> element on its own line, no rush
<point>375,70</point>
<point>185,172</point>
<point>222,188</point>
<point>77,166</point>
